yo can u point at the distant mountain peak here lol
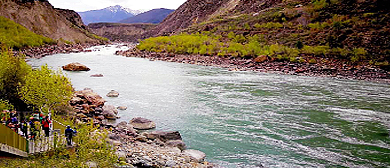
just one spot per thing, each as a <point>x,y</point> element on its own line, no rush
<point>115,8</point>
<point>109,14</point>
<point>118,8</point>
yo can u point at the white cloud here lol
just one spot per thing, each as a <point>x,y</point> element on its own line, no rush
<point>85,5</point>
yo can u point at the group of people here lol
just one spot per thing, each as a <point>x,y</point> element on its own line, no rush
<point>30,128</point>
<point>34,126</point>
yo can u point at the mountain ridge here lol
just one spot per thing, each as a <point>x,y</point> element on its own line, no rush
<point>354,32</point>
<point>153,16</point>
<point>108,14</point>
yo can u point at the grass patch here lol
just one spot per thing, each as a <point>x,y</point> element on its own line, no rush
<point>16,36</point>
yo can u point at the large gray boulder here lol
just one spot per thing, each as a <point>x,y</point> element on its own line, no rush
<point>110,112</point>
<point>142,123</point>
<point>197,156</point>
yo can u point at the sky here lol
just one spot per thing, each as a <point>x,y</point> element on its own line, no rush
<point>85,5</point>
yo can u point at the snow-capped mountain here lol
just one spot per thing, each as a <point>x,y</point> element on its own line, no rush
<point>119,8</point>
<point>109,14</point>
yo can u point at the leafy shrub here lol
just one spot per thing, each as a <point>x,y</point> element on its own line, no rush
<point>312,61</point>
<point>358,54</point>
<point>5,105</point>
<point>318,26</point>
<point>240,45</point>
<point>13,70</point>
<point>45,88</point>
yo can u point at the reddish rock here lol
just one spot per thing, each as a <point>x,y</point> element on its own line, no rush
<point>91,97</point>
<point>97,75</point>
<point>75,67</point>
<point>260,59</point>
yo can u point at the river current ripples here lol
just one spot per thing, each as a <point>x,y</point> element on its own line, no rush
<point>246,119</point>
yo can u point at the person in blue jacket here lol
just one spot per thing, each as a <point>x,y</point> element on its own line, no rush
<point>69,135</point>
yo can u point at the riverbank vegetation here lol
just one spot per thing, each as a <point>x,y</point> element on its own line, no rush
<point>243,46</point>
<point>16,36</point>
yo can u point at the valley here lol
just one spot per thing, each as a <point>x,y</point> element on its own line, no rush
<point>228,83</point>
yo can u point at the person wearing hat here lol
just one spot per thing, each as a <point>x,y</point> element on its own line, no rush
<point>69,135</point>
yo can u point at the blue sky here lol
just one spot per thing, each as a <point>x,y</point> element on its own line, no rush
<point>85,5</point>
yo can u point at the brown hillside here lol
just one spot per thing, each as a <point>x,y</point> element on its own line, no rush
<point>42,18</point>
<point>192,11</point>
<point>341,25</point>
<point>123,32</point>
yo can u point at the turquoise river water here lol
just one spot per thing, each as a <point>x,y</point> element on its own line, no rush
<point>246,119</point>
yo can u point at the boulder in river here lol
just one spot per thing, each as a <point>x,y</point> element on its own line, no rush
<point>142,123</point>
<point>110,112</point>
<point>122,108</point>
<point>97,75</point>
<point>75,67</point>
<point>112,93</point>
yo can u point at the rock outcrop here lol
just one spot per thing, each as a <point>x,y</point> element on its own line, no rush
<point>192,11</point>
<point>196,155</point>
<point>155,149</point>
<point>75,67</point>
<point>110,112</point>
<point>89,97</point>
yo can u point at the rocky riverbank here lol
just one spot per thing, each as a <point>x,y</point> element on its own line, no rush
<point>39,52</point>
<point>324,67</point>
<point>134,145</point>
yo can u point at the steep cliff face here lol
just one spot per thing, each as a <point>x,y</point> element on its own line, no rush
<point>198,11</point>
<point>192,11</point>
<point>42,18</point>
<point>121,31</point>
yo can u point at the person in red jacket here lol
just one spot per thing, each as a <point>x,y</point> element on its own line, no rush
<point>46,126</point>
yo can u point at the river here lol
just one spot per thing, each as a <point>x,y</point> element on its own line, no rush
<point>246,119</point>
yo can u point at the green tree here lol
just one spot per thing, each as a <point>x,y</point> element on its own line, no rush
<point>4,105</point>
<point>45,88</point>
<point>13,70</point>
